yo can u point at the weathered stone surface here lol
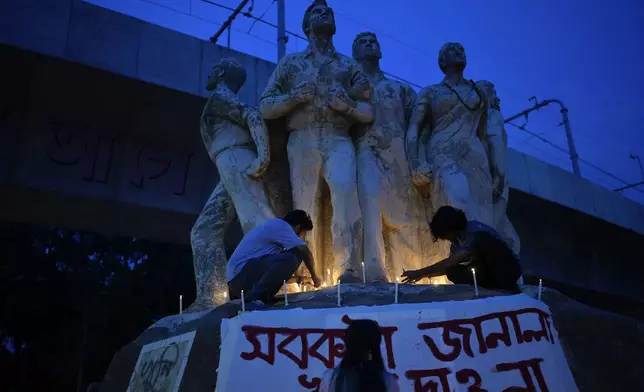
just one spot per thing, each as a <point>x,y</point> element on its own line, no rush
<point>396,229</point>
<point>449,121</point>
<point>604,350</point>
<point>237,142</point>
<point>496,142</point>
<point>310,90</point>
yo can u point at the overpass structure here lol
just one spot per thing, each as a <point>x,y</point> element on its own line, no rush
<point>99,131</point>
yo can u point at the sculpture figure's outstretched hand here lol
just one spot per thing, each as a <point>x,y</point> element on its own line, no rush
<point>421,175</point>
<point>258,167</point>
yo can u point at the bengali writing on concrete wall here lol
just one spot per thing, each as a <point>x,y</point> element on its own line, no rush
<point>94,153</point>
<point>505,345</point>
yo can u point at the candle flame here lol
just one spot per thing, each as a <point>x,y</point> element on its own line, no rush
<point>398,279</point>
<point>473,271</point>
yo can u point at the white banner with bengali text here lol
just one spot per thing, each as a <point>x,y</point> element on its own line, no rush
<point>494,344</point>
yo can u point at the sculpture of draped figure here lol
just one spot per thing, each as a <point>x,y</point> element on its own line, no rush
<point>445,140</point>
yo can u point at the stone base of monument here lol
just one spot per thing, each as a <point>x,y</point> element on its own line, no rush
<point>181,353</point>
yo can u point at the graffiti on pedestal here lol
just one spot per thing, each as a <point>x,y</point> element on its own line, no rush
<point>161,365</point>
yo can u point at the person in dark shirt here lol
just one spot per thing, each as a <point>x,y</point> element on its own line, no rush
<point>474,245</point>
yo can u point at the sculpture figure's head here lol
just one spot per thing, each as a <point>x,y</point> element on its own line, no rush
<point>366,47</point>
<point>228,71</point>
<point>318,19</point>
<point>452,55</point>
<point>490,91</point>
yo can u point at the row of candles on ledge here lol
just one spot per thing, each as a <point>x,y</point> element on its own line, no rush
<point>364,280</point>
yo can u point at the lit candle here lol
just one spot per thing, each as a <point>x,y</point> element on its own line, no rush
<point>539,292</point>
<point>339,299</point>
<point>364,276</point>
<point>476,286</point>
<point>285,295</point>
<point>328,276</point>
<point>243,302</point>
<point>180,304</point>
<point>396,291</point>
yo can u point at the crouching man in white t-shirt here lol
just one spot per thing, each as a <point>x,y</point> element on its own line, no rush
<point>268,255</point>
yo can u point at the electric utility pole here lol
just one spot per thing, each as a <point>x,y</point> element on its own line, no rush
<point>229,22</point>
<point>282,38</point>
<point>566,122</point>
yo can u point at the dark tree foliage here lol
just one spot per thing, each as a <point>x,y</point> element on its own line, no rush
<point>70,300</point>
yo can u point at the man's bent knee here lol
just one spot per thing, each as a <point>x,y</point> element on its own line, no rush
<point>291,257</point>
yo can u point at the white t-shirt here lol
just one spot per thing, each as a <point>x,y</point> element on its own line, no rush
<point>271,237</point>
<point>328,382</point>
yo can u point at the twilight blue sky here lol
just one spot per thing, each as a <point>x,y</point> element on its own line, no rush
<point>587,53</point>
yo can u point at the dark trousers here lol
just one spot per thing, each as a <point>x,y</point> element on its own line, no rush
<point>263,277</point>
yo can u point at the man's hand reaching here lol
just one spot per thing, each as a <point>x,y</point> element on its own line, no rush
<point>317,282</point>
<point>412,276</point>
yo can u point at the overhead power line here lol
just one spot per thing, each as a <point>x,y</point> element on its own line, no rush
<point>572,150</point>
<point>296,35</point>
<point>261,17</point>
<point>248,15</point>
<point>204,19</point>
<point>629,186</point>
<point>229,21</point>
<point>611,175</point>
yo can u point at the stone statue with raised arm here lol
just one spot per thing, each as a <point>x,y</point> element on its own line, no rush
<point>392,208</point>
<point>321,94</point>
<point>236,139</point>
<point>497,145</point>
<point>448,126</point>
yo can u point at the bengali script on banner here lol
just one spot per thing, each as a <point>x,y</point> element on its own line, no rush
<point>505,344</point>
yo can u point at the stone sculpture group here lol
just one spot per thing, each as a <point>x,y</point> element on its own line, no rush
<point>367,158</point>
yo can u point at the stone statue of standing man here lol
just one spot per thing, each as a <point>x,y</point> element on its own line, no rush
<point>321,94</point>
<point>392,209</point>
<point>236,139</point>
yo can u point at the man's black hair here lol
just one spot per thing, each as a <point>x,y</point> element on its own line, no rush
<point>447,220</point>
<point>301,218</point>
